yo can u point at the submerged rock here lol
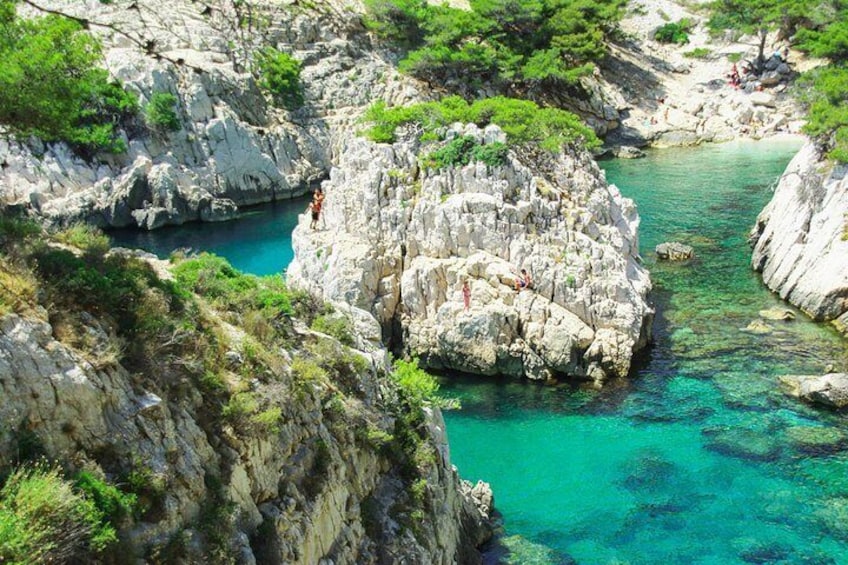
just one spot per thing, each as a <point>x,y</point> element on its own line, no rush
<point>402,239</point>
<point>776,313</point>
<point>758,327</point>
<point>674,251</point>
<point>828,390</point>
<point>742,442</point>
<point>817,440</point>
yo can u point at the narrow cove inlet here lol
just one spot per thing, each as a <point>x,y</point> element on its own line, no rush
<point>698,457</point>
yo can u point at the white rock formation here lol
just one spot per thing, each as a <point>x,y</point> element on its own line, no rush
<point>799,240</point>
<point>233,148</point>
<point>828,390</point>
<point>399,239</point>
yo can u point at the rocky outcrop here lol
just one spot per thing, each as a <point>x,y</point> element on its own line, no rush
<point>828,390</point>
<point>308,489</point>
<point>799,240</point>
<point>233,147</point>
<point>674,251</point>
<point>400,239</point>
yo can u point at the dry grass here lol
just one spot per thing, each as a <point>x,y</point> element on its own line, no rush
<point>18,288</point>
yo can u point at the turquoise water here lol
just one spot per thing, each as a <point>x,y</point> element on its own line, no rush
<point>258,242</point>
<point>698,458</point>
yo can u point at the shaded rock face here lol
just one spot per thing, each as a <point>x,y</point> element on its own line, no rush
<point>400,240</point>
<point>305,492</point>
<point>799,239</point>
<point>233,147</point>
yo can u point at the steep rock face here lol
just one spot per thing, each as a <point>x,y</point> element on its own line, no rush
<point>306,491</point>
<point>399,239</point>
<point>233,148</point>
<point>799,239</point>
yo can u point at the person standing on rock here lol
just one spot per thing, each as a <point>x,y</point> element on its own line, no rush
<point>315,207</point>
<point>466,294</point>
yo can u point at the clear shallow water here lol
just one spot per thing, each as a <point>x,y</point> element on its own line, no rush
<point>258,242</point>
<point>699,458</point>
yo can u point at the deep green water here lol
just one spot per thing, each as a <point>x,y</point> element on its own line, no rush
<point>258,242</point>
<point>697,458</point>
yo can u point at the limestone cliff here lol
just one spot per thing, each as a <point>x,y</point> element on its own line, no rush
<point>800,242</point>
<point>233,147</point>
<point>399,239</point>
<point>264,456</point>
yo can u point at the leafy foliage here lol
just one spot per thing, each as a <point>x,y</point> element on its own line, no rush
<point>508,41</point>
<point>214,278</point>
<point>51,87</point>
<point>279,74</point>
<point>463,150</point>
<point>523,121</point>
<point>160,114</point>
<point>825,91</point>
<point>674,32</point>
<point>418,386</point>
<point>44,520</point>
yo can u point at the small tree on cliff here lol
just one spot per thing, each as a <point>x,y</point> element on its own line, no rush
<point>759,18</point>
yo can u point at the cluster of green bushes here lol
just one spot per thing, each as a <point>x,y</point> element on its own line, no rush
<point>462,150</point>
<point>279,75</point>
<point>825,90</point>
<point>523,121</point>
<point>160,113</point>
<point>507,41</point>
<point>51,85</point>
<point>46,518</point>
<point>674,32</point>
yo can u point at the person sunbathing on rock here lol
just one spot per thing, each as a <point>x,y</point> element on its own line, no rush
<point>523,281</point>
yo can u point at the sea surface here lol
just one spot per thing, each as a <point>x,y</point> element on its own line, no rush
<point>698,458</point>
<point>258,242</point>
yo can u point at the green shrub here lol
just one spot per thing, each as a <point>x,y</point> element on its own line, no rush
<point>214,278</point>
<point>307,372</point>
<point>269,420</point>
<point>114,504</point>
<point>85,237</point>
<point>160,112</point>
<point>698,53</point>
<point>43,520</point>
<point>335,326</point>
<point>279,74</point>
<point>51,88</point>
<point>240,408</point>
<point>825,92</point>
<point>396,20</point>
<point>523,121</point>
<point>418,386</point>
<point>674,32</point>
